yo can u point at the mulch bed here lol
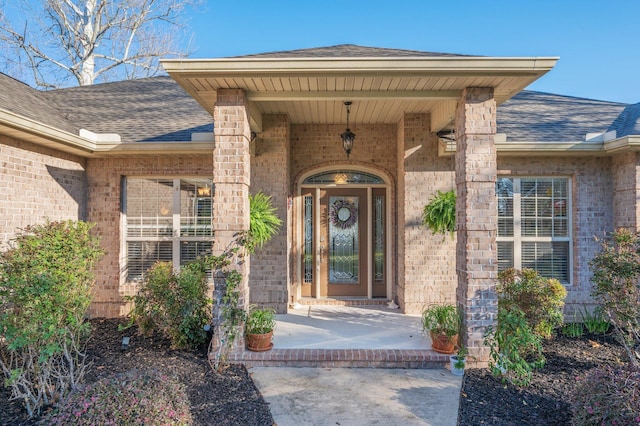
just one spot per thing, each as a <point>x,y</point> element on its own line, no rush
<point>231,398</point>
<point>227,398</point>
<point>486,400</point>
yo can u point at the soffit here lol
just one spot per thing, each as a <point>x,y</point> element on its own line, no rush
<point>312,90</point>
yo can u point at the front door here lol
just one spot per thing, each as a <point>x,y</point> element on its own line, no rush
<point>343,242</point>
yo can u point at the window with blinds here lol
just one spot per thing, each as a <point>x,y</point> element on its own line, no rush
<point>167,220</point>
<point>534,225</point>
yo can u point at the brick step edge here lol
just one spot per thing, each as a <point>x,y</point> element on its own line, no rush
<point>342,302</point>
<point>342,358</point>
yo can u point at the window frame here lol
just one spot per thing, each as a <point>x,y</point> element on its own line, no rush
<point>176,215</point>
<point>517,239</point>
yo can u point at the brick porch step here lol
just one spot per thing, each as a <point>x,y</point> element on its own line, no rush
<point>341,358</point>
<point>342,301</point>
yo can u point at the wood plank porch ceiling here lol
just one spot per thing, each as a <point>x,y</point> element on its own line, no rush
<point>381,89</point>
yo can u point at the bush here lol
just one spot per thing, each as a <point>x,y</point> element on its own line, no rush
<point>529,308</point>
<point>133,398</point>
<point>608,396</point>
<point>616,278</point>
<point>540,299</point>
<point>515,350</point>
<point>46,282</point>
<point>176,305</point>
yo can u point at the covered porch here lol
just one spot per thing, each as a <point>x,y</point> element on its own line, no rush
<point>423,122</point>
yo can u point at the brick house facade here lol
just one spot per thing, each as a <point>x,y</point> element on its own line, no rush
<point>536,175</point>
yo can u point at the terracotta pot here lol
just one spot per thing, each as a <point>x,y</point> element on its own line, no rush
<point>442,343</point>
<point>259,342</point>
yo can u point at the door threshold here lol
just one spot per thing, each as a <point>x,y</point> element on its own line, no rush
<point>343,301</point>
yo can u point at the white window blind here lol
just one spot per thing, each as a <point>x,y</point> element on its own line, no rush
<point>166,220</point>
<point>534,225</point>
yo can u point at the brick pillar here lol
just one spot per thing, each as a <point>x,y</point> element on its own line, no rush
<point>626,191</point>
<point>476,215</point>
<point>231,176</point>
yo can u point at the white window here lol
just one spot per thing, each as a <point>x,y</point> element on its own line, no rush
<point>534,225</point>
<point>166,220</point>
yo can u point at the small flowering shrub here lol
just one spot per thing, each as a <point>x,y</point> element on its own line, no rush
<point>616,279</point>
<point>175,305</point>
<point>541,299</point>
<point>133,398</point>
<point>608,396</point>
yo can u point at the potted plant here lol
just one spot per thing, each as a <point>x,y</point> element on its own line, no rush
<point>442,322</point>
<point>440,214</point>
<point>458,361</point>
<point>258,328</point>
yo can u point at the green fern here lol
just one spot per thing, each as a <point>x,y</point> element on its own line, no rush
<point>440,214</point>
<point>264,223</point>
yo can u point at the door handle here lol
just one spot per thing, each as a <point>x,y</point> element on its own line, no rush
<point>321,252</point>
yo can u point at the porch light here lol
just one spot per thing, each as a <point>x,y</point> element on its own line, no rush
<point>348,136</point>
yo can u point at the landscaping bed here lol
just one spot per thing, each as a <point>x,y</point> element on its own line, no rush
<point>485,399</point>
<point>227,398</point>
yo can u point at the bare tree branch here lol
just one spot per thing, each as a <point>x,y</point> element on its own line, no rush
<point>87,40</point>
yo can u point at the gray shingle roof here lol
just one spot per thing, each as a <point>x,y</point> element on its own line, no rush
<point>151,109</point>
<point>348,50</point>
<point>545,117</point>
<point>21,99</point>
<point>627,123</point>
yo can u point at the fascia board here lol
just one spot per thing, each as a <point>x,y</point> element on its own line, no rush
<point>465,65</point>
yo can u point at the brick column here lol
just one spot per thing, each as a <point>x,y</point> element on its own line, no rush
<point>231,176</point>
<point>476,215</point>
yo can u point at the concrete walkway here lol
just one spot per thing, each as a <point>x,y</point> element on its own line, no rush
<point>359,396</point>
<point>355,396</point>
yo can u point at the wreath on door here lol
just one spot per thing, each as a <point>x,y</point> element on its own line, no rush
<point>343,214</point>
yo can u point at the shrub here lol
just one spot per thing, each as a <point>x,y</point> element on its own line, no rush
<point>608,396</point>
<point>529,308</point>
<point>46,282</point>
<point>540,299</point>
<point>515,350</point>
<point>175,305</point>
<point>616,278</point>
<point>440,214</point>
<point>264,223</point>
<point>133,398</point>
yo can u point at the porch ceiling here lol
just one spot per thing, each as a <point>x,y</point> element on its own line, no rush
<point>312,90</point>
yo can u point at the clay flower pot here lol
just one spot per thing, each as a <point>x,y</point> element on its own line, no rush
<point>442,343</point>
<point>259,342</point>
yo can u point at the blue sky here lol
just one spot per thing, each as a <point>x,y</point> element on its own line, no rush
<point>598,42</point>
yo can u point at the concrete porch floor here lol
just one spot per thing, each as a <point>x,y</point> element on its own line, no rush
<point>346,336</point>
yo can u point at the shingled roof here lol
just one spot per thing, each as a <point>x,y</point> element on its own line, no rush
<point>544,117</point>
<point>627,123</point>
<point>349,51</point>
<point>26,101</point>
<point>151,109</point>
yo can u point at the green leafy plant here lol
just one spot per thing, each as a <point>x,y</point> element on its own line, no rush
<point>132,398</point>
<point>607,396</point>
<point>529,308</point>
<point>515,350</point>
<point>574,329</point>
<point>540,299</point>
<point>440,214</point>
<point>175,305</point>
<point>259,321</point>
<point>264,223</point>
<point>595,322</point>
<point>228,319</point>
<point>616,278</point>
<point>441,319</point>
<point>46,284</point>
<point>461,357</point>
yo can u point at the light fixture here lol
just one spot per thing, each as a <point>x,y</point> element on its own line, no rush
<point>204,191</point>
<point>348,136</point>
<point>449,135</point>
